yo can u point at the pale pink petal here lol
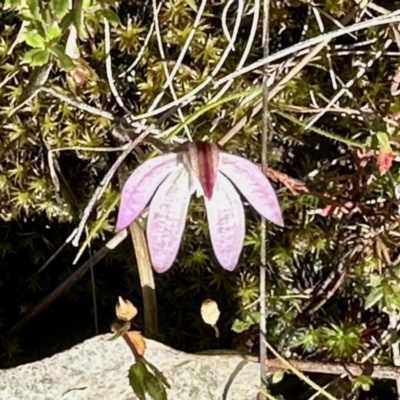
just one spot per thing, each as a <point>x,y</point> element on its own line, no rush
<point>254,186</point>
<point>225,216</point>
<point>167,217</point>
<point>141,185</point>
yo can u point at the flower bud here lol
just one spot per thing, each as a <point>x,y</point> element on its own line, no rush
<point>210,312</point>
<point>125,310</point>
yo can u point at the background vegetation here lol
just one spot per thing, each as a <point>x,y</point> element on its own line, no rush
<point>333,287</point>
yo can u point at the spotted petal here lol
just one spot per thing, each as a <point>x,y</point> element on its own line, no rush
<point>254,186</point>
<point>225,216</point>
<point>141,185</point>
<point>167,217</point>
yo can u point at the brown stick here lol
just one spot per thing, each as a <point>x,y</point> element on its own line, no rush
<point>374,371</point>
<point>146,280</point>
<point>330,293</point>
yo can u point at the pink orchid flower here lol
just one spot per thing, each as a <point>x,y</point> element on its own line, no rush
<point>202,168</point>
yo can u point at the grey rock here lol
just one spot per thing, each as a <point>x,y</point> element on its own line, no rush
<point>97,369</point>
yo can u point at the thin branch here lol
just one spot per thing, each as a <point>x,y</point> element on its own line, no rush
<point>93,284</point>
<point>263,228</point>
<point>272,92</point>
<point>8,78</point>
<point>231,44</point>
<point>78,104</point>
<point>394,319</point>
<point>37,79</point>
<point>109,73</point>
<point>330,293</point>
<point>165,66</point>
<point>299,374</point>
<point>246,52</point>
<point>146,274</point>
<point>147,283</point>
<point>71,280</point>
<point>103,185</point>
<point>392,18</point>
<point>374,371</point>
<point>57,252</point>
<point>175,69</point>
<point>18,38</point>
<point>142,49</point>
<point>362,70</point>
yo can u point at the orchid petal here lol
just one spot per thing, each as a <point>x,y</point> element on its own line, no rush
<point>254,186</point>
<point>225,216</point>
<point>167,217</point>
<point>141,185</point>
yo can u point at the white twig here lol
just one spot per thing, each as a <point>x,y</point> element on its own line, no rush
<point>18,38</point>
<point>57,252</point>
<point>179,60</point>
<point>109,73</point>
<point>223,20</point>
<point>348,85</point>
<point>165,67</point>
<point>249,44</point>
<point>142,49</point>
<point>191,95</point>
<point>94,149</point>
<point>137,126</point>
<point>77,104</point>
<point>8,78</point>
<point>328,47</point>
<point>393,17</point>
<point>231,43</point>
<point>103,185</point>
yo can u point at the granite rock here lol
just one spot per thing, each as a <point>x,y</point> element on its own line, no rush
<point>97,369</point>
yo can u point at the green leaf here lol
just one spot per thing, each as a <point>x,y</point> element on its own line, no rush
<point>137,375</point>
<point>66,62</point>
<point>86,4</point>
<point>192,5</point>
<point>243,325</point>
<point>47,17</point>
<point>12,4</point>
<point>53,32</point>
<point>255,317</point>
<point>277,376</point>
<point>375,280</point>
<point>33,6</point>
<point>383,138</point>
<point>36,57</point>
<point>157,373</point>
<point>394,302</point>
<point>78,19</point>
<point>38,26</point>
<point>34,39</point>
<point>364,382</point>
<point>373,298</point>
<point>67,21</point>
<point>155,388</point>
<point>239,326</point>
<point>110,16</point>
<point>59,7</point>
